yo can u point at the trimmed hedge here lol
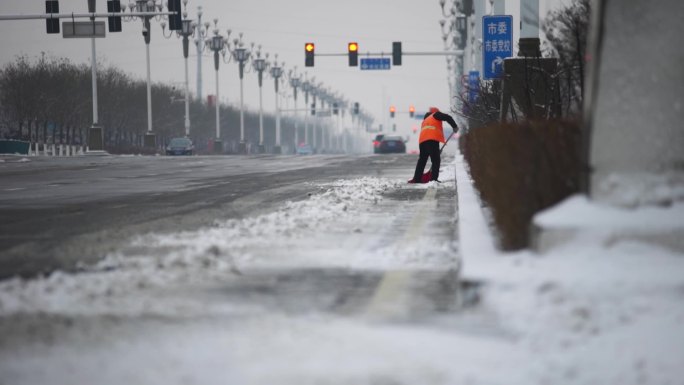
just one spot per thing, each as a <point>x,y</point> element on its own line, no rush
<point>520,169</point>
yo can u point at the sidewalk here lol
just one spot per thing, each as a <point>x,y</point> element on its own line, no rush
<point>590,310</point>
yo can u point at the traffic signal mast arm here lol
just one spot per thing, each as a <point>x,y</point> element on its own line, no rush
<point>389,54</point>
<point>81,15</point>
<point>411,111</point>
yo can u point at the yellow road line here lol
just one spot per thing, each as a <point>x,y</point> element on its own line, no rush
<point>391,298</point>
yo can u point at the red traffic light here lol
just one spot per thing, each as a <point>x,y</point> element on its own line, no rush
<point>412,110</point>
<point>392,111</point>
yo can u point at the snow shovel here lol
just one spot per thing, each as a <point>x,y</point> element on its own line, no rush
<point>425,178</point>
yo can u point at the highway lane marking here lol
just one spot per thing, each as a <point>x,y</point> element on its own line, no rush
<point>15,189</point>
<point>393,295</point>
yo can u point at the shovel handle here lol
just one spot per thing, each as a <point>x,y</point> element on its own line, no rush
<point>447,141</point>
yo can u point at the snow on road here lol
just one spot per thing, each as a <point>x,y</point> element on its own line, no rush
<point>154,312</point>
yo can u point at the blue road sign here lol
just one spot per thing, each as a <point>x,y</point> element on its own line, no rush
<point>473,86</point>
<point>375,63</point>
<point>497,38</point>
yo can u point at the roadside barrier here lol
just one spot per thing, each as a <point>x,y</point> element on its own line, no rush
<point>45,149</point>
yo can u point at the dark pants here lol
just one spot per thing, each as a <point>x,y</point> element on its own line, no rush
<point>429,148</point>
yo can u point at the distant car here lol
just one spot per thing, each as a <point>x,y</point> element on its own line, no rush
<point>304,149</point>
<point>390,144</point>
<point>376,143</point>
<point>180,146</point>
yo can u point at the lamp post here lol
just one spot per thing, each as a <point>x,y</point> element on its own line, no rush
<point>187,31</point>
<point>201,33</point>
<point>217,44</point>
<point>324,97</point>
<point>313,90</point>
<point>241,55</point>
<point>306,87</point>
<point>295,82</point>
<point>260,64</point>
<point>454,37</point>
<point>276,73</point>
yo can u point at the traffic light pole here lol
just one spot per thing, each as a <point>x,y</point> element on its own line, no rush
<point>95,133</point>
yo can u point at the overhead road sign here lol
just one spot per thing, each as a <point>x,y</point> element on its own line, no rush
<point>381,63</point>
<point>497,44</point>
<point>78,29</point>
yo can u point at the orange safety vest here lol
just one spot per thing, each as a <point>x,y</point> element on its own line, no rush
<point>431,129</point>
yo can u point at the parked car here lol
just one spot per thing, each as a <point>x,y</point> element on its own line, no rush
<point>180,146</point>
<point>376,143</point>
<point>304,149</point>
<point>390,144</point>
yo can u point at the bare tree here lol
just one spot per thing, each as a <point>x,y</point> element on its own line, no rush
<point>566,31</point>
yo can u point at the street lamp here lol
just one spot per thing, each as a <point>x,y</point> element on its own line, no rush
<point>201,32</point>
<point>454,38</point>
<point>295,82</point>
<point>276,73</point>
<point>187,30</point>
<point>241,55</point>
<point>217,44</point>
<point>313,90</point>
<point>306,87</point>
<point>260,64</point>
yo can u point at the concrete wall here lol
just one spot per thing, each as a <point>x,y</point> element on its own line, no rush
<point>635,102</point>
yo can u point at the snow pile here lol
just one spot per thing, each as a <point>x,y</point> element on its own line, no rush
<point>599,309</point>
<point>155,260</point>
<point>640,189</point>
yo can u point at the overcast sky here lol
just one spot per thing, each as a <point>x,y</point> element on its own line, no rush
<point>281,27</point>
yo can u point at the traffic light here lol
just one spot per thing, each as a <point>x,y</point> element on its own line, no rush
<point>356,108</point>
<point>392,111</point>
<point>412,110</point>
<point>114,23</point>
<point>52,6</point>
<point>175,20</point>
<point>353,49</point>
<point>313,109</point>
<point>335,109</point>
<point>396,53</point>
<point>309,54</point>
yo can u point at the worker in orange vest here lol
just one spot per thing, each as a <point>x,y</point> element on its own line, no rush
<point>431,135</point>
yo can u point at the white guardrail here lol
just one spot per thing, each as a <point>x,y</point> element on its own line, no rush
<point>45,149</point>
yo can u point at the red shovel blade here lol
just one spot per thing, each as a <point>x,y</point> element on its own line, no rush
<point>425,178</point>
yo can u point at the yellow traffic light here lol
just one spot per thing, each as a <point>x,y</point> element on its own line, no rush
<point>353,52</point>
<point>309,54</point>
<point>392,111</point>
<point>412,110</point>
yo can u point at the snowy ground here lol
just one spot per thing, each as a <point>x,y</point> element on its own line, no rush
<point>156,311</point>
